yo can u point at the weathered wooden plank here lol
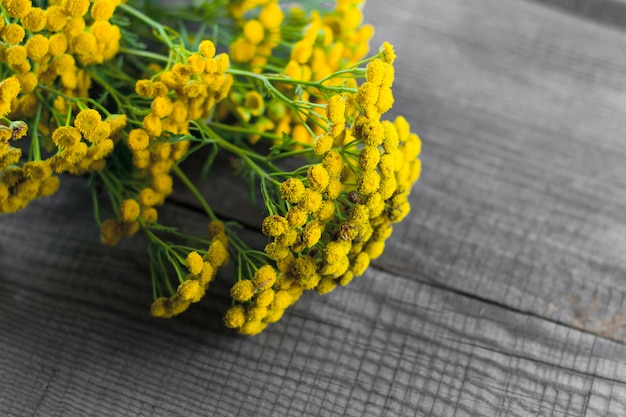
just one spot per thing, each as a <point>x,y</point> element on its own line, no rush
<point>77,339</point>
<point>612,12</point>
<point>522,202</point>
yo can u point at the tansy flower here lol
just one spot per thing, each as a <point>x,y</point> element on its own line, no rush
<point>235,317</point>
<point>242,291</point>
<point>311,234</point>
<point>57,44</point>
<point>87,120</point>
<point>335,109</point>
<point>161,106</point>
<point>188,289</point>
<point>271,15</point>
<point>56,18</point>
<point>16,55</point>
<point>312,200</point>
<point>37,47</point>
<point>13,33</point>
<point>207,49</point>
<point>297,216</point>
<point>254,103</point>
<point>368,182</point>
<point>264,277</point>
<point>253,31</point>
<point>274,226</point>
<point>37,170</point>
<point>76,8</point>
<point>129,210</point>
<point>17,8</point>
<point>102,10</point>
<point>264,298</point>
<point>196,64</point>
<point>387,53</point>
<point>292,190</point>
<point>152,125</point>
<point>317,177</point>
<point>326,285</point>
<point>333,162</point>
<point>35,20</point>
<point>217,253</point>
<point>194,263</point>
<point>149,214</point>
<point>66,136</point>
<point>369,157</point>
<point>74,26</point>
<point>138,139</point>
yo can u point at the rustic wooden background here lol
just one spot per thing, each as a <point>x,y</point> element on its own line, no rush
<point>503,293</point>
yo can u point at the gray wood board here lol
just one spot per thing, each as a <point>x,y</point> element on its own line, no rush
<point>77,339</point>
<point>501,294</point>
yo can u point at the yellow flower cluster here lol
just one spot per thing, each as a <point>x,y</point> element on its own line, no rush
<point>177,96</point>
<point>50,47</point>
<point>260,32</point>
<point>83,147</point>
<point>259,301</point>
<point>201,271</point>
<point>19,185</point>
<point>44,45</point>
<point>333,40</point>
<point>340,215</point>
<point>129,124</point>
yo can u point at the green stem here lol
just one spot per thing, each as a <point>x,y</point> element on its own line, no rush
<point>144,54</point>
<point>194,190</point>
<point>35,148</point>
<point>114,93</point>
<point>156,25</point>
<point>237,129</point>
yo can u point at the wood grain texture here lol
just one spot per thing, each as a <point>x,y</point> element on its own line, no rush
<point>522,200</point>
<point>502,294</point>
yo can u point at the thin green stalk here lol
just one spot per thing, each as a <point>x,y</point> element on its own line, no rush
<point>144,54</point>
<point>35,148</point>
<point>153,23</point>
<point>194,190</point>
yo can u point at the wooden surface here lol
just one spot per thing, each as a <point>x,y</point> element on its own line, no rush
<point>503,293</point>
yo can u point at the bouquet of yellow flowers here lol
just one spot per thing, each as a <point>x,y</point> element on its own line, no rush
<point>122,92</point>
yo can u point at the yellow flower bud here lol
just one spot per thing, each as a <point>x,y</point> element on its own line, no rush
<point>326,285</point>
<point>207,49</point>
<point>264,298</point>
<point>235,317</point>
<point>274,226</point>
<point>253,31</point>
<point>161,307</point>
<point>256,313</point>
<point>368,182</point>
<point>129,210</point>
<point>110,232</point>
<point>188,289</point>
<point>387,53</point>
<point>333,163</point>
<point>217,253</point>
<point>66,136</point>
<point>318,177</point>
<point>242,291</point>
<point>292,190</point>
<point>322,144</point>
<point>264,277</point>
<point>311,234</point>
<point>87,120</point>
<point>17,8</point>
<point>194,262</point>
